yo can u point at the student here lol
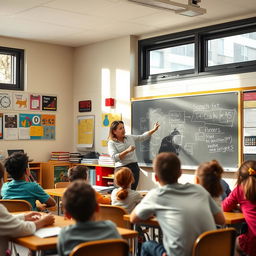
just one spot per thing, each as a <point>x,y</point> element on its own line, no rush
<point>121,147</point>
<point>79,172</point>
<point>124,196</point>
<point>16,165</point>
<point>245,195</point>
<point>20,224</point>
<point>183,211</point>
<point>80,204</point>
<point>208,174</point>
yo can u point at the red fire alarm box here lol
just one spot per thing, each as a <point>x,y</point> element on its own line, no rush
<point>100,172</point>
<point>109,102</point>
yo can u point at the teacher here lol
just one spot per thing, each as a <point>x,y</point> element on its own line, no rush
<point>121,148</point>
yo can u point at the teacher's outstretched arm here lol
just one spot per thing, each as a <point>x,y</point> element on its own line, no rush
<point>121,147</point>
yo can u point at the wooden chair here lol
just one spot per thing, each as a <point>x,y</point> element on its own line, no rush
<point>16,205</point>
<point>219,242</point>
<point>61,184</point>
<point>114,247</point>
<point>113,213</point>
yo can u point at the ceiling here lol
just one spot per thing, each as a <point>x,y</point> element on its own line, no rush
<point>81,22</point>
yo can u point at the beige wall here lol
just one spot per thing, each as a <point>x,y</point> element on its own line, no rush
<point>49,70</point>
<point>102,70</point>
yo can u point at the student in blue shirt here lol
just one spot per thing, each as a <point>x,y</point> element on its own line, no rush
<point>16,165</point>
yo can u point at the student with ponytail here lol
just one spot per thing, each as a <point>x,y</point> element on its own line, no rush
<point>244,194</point>
<point>124,196</point>
<point>208,175</point>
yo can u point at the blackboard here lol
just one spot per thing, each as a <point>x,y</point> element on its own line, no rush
<point>197,128</point>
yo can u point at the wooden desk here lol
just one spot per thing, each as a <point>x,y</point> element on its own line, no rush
<point>230,218</point>
<point>233,217</point>
<point>39,244</point>
<point>58,193</point>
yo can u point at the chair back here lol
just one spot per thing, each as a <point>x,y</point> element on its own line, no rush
<point>115,247</point>
<point>219,242</point>
<point>16,205</point>
<point>61,184</point>
<point>113,213</point>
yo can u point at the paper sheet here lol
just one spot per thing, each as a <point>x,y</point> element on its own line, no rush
<point>47,232</point>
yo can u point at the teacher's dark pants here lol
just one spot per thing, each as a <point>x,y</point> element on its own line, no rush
<point>136,173</point>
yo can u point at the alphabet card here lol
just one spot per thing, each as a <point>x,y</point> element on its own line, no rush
<point>20,101</point>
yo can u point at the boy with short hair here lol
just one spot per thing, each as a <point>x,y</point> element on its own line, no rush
<point>79,203</point>
<point>16,165</point>
<point>184,211</point>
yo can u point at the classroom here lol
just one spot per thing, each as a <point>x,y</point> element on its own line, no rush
<point>99,52</point>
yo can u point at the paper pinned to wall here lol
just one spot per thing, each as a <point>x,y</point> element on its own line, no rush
<point>85,131</point>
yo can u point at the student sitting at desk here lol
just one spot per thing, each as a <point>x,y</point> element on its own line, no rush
<point>124,196</point>
<point>184,211</point>
<point>20,224</point>
<point>16,165</point>
<point>208,174</point>
<point>245,195</point>
<point>80,204</point>
<point>79,172</point>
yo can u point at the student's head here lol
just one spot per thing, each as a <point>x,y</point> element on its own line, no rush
<point>78,172</point>
<point>167,168</point>
<point>16,165</point>
<point>116,129</point>
<point>208,174</point>
<point>247,179</point>
<point>79,201</point>
<point>123,178</point>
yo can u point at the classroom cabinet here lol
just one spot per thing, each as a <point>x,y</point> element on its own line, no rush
<point>53,172</point>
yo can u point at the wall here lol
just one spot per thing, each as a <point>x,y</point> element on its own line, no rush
<point>102,70</point>
<point>48,71</point>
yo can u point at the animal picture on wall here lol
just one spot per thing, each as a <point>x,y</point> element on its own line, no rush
<point>20,101</point>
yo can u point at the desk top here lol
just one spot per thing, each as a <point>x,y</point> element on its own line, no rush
<point>36,243</point>
<point>230,218</point>
<point>55,191</point>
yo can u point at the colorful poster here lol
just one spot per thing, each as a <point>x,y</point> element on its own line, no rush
<point>5,100</point>
<point>36,127</point>
<point>108,118</point>
<point>35,102</point>
<point>49,103</point>
<point>48,124</point>
<point>10,126</point>
<point>20,101</point>
<point>85,131</point>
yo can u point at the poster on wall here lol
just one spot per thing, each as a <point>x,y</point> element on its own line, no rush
<point>35,102</point>
<point>85,131</point>
<point>107,119</point>
<point>5,100</point>
<point>49,103</point>
<point>36,127</point>
<point>48,124</point>
<point>10,126</point>
<point>20,101</point>
<point>1,126</point>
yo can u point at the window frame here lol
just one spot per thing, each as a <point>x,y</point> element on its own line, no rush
<point>19,69</point>
<point>199,37</point>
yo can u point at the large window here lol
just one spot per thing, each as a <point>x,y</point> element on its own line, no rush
<point>11,69</point>
<point>219,49</point>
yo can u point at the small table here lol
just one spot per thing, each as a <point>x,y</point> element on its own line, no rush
<point>58,193</point>
<point>233,217</point>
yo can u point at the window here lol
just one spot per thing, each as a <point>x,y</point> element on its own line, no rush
<point>11,69</point>
<point>220,49</point>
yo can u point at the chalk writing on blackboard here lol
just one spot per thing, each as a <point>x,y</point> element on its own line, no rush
<point>196,128</point>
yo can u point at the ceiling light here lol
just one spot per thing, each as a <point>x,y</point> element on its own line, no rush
<point>191,9</point>
<point>162,4</point>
